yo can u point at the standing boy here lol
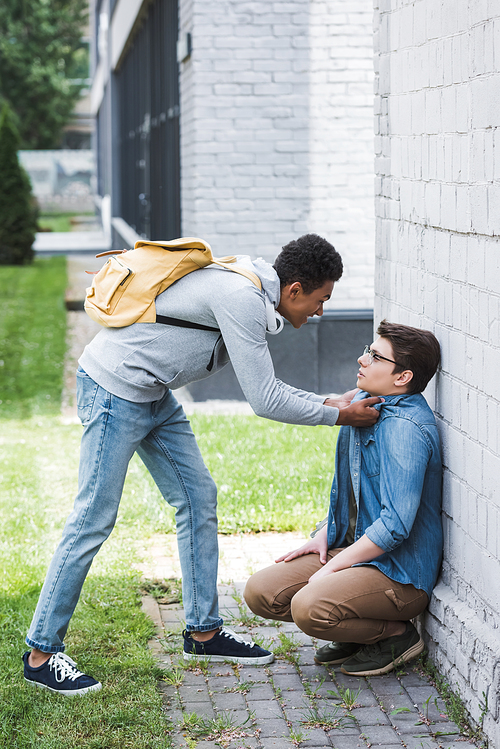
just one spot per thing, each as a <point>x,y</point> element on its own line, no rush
<point>126,405</point>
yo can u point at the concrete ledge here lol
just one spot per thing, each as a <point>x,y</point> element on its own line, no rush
<point>123,233</point>
<point>67,242</point>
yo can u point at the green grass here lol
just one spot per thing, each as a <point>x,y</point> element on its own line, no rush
<point>38,468</point>
<point>108,639</point>
<point>58,221</point>
<point>271,476</point>
<point>32,337</point>
<point>290,489</point>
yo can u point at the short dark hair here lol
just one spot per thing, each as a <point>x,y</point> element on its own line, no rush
<point>414,349</point>
<point>309,259</point>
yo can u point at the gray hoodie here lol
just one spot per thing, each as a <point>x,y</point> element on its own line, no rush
<point>138,363</point>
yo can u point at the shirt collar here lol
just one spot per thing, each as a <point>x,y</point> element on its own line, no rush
<point>392,400</point>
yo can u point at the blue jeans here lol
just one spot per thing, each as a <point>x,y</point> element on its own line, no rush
<point>161,435</point>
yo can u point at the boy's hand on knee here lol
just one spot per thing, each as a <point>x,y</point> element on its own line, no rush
<point>363,550</point>
<point>316,545</point>
<point>324,571</point>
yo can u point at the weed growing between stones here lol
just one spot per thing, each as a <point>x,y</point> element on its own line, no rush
<point>326,719</point>
<point>348,697</point>
<point>456,710</point>
<point>223,729</point>
<point>164,591</point>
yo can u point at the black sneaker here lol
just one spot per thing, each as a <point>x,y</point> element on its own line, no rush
<point>225,645</point>
<point>384,655</point>
<point>335,652</point>
<point>60,674</point>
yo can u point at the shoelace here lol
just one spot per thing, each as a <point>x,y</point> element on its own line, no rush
<point>374,649</point>
<point>229,633</point>
<point>64,667</point>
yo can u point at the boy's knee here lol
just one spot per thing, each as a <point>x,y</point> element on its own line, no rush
<point>263,592</point>
<point>255,597</point>
<point>309,615</point>
<point>301,612</point>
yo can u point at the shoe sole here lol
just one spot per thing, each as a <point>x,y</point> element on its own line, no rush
<point>65,692</point>
<point>403,658</point>
<point>260,661</point>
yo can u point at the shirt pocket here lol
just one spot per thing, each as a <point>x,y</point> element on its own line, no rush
<point>86,391</point>
<point>370,461</point>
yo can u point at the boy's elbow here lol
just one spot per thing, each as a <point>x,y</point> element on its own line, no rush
<point>263,407</point>
<point>259,409</point>
<point>387,539</point>
<point>399,536</point>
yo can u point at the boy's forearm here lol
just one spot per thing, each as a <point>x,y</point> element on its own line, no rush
<point>363,550</point>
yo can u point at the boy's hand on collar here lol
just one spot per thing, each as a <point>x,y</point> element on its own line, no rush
<point>342,401</point>
<point>360,414</point>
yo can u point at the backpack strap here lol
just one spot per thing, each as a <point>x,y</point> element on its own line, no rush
<point>197,326</point>
<point>184,323</point>
<point>111,252</point>
<point>227,263</point>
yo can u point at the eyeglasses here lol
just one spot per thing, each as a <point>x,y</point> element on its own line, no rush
<point>376,357</point>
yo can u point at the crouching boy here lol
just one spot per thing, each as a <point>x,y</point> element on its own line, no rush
<point>372,567</point>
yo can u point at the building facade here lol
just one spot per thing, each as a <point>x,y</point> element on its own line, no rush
<point>247,124</point>
<point>438,267</point>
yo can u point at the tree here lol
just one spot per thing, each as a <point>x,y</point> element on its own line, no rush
<point>40,47</point>
<point>18,210</point>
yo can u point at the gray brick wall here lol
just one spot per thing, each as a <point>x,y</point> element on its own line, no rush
<point>438,266</point>
<point>276,130</point>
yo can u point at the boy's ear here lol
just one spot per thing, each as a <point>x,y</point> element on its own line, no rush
<point>294,289</point>
<point>403,378</point>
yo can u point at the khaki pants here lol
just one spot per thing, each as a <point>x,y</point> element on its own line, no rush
<point>353,605</point>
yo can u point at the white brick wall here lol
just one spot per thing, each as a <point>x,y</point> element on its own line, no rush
<point>276,130</point>
<point>341,141</point>
<point>438,266</point>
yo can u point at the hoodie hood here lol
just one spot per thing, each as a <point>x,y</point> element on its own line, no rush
<point>268,276</point>
<point>271,288</point>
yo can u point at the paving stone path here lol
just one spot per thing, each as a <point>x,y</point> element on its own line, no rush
<point>292,702</point>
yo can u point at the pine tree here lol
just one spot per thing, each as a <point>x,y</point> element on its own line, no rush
<point>18,210</point>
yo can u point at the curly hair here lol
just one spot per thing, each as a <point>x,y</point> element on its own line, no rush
<point>309,259</point>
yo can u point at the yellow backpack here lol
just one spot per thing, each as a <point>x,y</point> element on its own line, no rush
<point>124,290</point>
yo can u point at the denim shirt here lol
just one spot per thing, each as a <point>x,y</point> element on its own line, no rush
<point>395,470</point>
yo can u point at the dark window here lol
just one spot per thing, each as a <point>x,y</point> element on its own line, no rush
<point>148,110</point>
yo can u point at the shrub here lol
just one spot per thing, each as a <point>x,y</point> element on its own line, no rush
<point>18,210</point>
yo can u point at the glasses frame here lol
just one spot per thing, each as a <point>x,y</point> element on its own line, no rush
<point>375,357</point>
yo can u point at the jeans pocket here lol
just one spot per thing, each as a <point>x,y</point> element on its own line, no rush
<point>86,391</point>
